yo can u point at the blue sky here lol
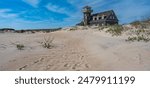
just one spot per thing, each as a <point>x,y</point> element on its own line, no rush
<point>26,14</point>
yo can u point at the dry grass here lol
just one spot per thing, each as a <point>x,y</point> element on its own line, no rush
<point>73,28</point>
<point>141,24</point>
<point>140,35</point>
<point>47,42</point>
<point>115,30</point>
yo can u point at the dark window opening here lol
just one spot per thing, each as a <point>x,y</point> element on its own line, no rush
<point>100,18</point>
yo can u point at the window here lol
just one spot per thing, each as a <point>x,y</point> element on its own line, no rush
<point>112,17</point>
<point>105,17</point>
<point>94,18</point>
<point>100,18</point>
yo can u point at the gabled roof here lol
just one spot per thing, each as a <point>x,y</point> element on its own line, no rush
<point>106,13</point>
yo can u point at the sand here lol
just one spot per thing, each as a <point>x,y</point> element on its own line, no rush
<point>80,50</point>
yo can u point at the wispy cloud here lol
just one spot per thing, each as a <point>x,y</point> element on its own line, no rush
<point>57,9</point>
<point>33,3</point>
<point>132,10</point>
<point>5,13</point>
<point>79,4</point>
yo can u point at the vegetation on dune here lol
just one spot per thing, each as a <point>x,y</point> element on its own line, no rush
<point>140,24</point>
<point>115,30</point>
<point>143,24</point>
<point>137,34</point>
<point>138,38</point>
<point>142,32</point>
<point>73,28</point>
<point>47,42</point>
<point>140,35</point>
<point>20,46</point>
<point>100,28</point>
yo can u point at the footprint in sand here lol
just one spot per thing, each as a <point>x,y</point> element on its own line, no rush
<point>23,67</point>
<point>66,65</point>
<point>75,66</point>
<point>38,60</point>
<point>12,60</point>
<point>86,65</point>
<point>48,67</point>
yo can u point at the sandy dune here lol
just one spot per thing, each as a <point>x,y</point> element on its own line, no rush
<point>73,51</point>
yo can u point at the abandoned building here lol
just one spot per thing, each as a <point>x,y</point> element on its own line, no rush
<point>102,18</point>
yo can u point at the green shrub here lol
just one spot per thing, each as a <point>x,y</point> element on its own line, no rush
<point>20,46</point>
<point>73,28</point>
<point>138,38</point>
<point>115,30</point>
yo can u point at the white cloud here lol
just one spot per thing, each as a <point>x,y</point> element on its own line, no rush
<point>57,9</point>
<point>19,23</point>
<point>33,3</point>
<point>4,10</point>
<point>79,4</point>
<point>5,13</point>
<point>129,11</point>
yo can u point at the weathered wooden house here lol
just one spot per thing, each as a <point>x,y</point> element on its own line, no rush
<point>102,18</point>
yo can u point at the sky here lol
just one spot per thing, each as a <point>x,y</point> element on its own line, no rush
<point>33,14</point>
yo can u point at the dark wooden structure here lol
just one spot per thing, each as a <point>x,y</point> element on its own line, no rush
<point>102,18</point>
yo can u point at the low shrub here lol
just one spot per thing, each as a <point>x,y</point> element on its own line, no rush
<point>20,46</point>
<point>115,30</point>
<point>47,42</point>
<point>73,28</point>
<point>138,38</point>
<point>100,28</point>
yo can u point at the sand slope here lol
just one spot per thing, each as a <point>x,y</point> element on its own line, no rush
<point>73,51</point>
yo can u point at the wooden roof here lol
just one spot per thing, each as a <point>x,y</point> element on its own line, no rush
<point>106,13</point>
